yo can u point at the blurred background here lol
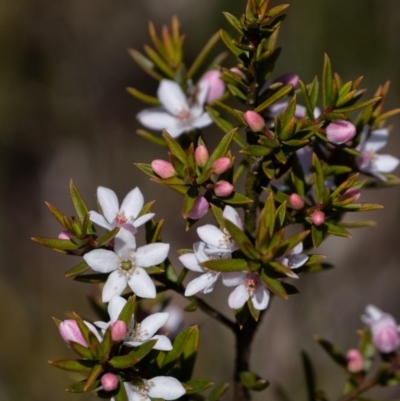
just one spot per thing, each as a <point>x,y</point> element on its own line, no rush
<point>64,113</point>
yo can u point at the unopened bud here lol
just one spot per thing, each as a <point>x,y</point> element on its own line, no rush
<point>238,72</point>
<point>288,79</point>
<point>201,155</point>
<point>318,218</point>
<point>163,169</point>
<point>200,208</point>
<point>255,122</point>
<point>355,361</point>
<point>69,331</point>
<point>296,201</point>
<point>340,131</point>
<point>109,381</point>
<point>351,193</point>
<point>216,86</point>
<point>118,331</point>
<point>221,165</point>
<point>223,188</point>
<point>65,235</point>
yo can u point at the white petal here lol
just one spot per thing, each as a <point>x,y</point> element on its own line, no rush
<point>260,298</point>
<point>158,119</point>
<point>115,307</point>
<point>232,215</point>
<point>132,203</point>
<point>115,284</point>
<point>202,91</point>
<point>190,261</point>
<point>211,235</point>
<point>211,286</point>
<point>300,111</point>
<point>233,279</point>
<point>297,249</point>
<point>372,314</point>
<point>108,202</point>
<point>102,325</point>
<point>202,121</point>
<point>165,387</point>
<point>134,394</point>
<point>102,261</point>
<point>172,97</point>
<point>385,163</point>
<point>163,343</point>
<point>141,284</point>
<point>152,323</point>
<point>124,243</point>
<point>377,140</point>
<point>199,251</point>
<point>297,261</point>
<point>277,108</point>
<point>199,284</point>
<point>143,219</point>
<point>93,330</point>
<point>238,297</point>
<point>151,254</point>
<point>98,219</point>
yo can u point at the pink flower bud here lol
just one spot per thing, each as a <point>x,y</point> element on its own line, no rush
<point>201,155</point>
<point>163,169</point>
<point>223,188</point>
<point>296,202</point>
<point>65,235</point>
<point>385,334</point>
<point>355,361</point>
<point>318,218</point>
<point>340,131</point>
<point>255,122</point>
<point>288,79</point>
<point>238,72</point>
<point>200,208</point>
<point>118,331</point>
<point>351,193</point>
<point>216,86</point>
<point>69,331</point>
<point>221,165</point>
<point>109,381</point>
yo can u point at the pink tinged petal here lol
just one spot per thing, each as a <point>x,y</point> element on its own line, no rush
<point>69,331</point>
<point>99,220</point>
<point>151,254</point>
<point>190,261</point>
<point>157,118</point>
<point>102,261</point>
<point>115,285</point>
<point>171,96</point>
<point>376,141</point>
<point>115,307</point>
<point>143,219</point>
<point>216,87</point>
<point>109,381</point>
<point>199,284</point>
<point>165,387</point>
<point>233,279</point>
<point>340,131</point>
<point>163,343</point>
<point>141,284</point>
<point>385,163</point>
<point>124,243</point>
<point>238,297</point>
<point>109,203</point>
<point>232,215</point>
<point>152,323</point>
<point>211,235</point>
<point>132,203</point>
<point>260,298</point>
<point>200,208</point>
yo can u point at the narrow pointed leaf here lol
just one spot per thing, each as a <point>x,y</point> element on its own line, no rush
<point>226,265</point>
<point>143,97</point>
<point>175,148</point>
<point>76,270</point>
<point>319,180</point>
<point>279,94</point>
<point>74,365</point>
<point>242,240</point>
<point>274,285</point>
<point>332,351</point>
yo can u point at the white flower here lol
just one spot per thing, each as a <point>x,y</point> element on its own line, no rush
<point>125,216</point>
<point>126,266</point>
<point>294,259</point>
<point>138,333</point>
<point>165,387</point>
<point>192,261</point>
<point>219,242</point>
<point>178,113</point>
<point>370,162</point>
<point>248,285</point>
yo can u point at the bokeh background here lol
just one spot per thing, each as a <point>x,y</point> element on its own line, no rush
<point>64,113</point>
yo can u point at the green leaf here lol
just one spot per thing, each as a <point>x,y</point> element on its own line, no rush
<point>242,241</point>
<point>255,313</point>
<point>92,278</point>
<point>197,385</point>
<point>327,84</point>
<point>337,230</point>
<point>125,361</point>
<point>307,100</point>
<point>385,116</point>
<point>62,244</point>
<point>279,94</point>
<point>358,224</point>
<point>319,179</point>
<point>105,346</point>
<point>175,148</point>
<point>146,168</point>
<point>242,315</point>
<point>234,22</point>
<point>80,387</point>
<point>76,270</point>
<point>291,242</point>
<point>218,392</point>
<point>140,352</point>
<point>358,106</point>
<point>126,313</point>
<point>274,285</point>
<point>159,62</point>
<point>188,357</point>
<point>229,43</point>
<point>79,205</point>
<point>143,97</point>
<point>237,199</point>
<point>189,200</point>
<point>361,207</point>
<point>256,150</point>
<point>145,64</point>
<point>221,149</point>
<point>74,365</point>
<point>220,122</point>
<point>107,237</point>
<point>121,392</point>
<point>226,265</point>
<point>332,351</point>
<point>81,350</point>
<point>93,375</point>
<point>56,213</point>
<point>252,381</point>
<point>153,138</point>
<point>317,235</point>
<point>309,376</point>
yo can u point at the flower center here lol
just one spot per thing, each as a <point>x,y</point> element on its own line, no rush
<point>126,265</point>
<point>121,218</point>
<point>251,284</point>
<point>183,115</point>
<point>367,159</point>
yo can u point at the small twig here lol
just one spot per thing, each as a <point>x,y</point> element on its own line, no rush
<point>359,390</point>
